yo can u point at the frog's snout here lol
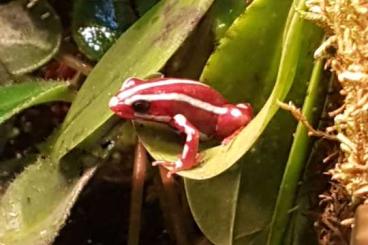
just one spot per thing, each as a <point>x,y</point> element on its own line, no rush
<point>121,109</point>
<point>114,102</point>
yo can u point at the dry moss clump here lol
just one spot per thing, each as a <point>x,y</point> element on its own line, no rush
<point>346,53</point>
<point>346,50</point>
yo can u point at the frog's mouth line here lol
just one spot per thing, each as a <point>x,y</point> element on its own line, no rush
<point>164,119</point>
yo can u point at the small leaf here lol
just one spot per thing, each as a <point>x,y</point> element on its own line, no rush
<point>142,50</point>
<point>17,97</point>
<point>37,203</point>
<point>30,36</point>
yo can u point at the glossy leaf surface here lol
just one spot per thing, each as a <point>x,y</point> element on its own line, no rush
<point>17,97</point>
<point>30,36</point>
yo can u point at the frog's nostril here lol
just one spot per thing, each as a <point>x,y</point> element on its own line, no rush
<point>114,101</point>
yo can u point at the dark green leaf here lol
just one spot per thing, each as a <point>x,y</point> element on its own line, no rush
<point>97,24</point>
<point>30,36</point>
<point>142,6</point>
<point>224,13</point>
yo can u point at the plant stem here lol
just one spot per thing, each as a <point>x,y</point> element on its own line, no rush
<point>75,63</point>
<point>139,173</point>
<point>174,208</point>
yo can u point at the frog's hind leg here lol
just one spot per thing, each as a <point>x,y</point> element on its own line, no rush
<point>188,158</point>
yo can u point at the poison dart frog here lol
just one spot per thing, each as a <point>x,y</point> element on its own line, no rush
<point>190,107</point>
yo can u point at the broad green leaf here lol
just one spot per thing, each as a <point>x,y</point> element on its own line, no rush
<point>17,97</point>
<point>140,51</point>
<point>37,203</point>
<point>241,200</point>
<point>30,35</point>
<point>243,68</point>
<point>297,157</point>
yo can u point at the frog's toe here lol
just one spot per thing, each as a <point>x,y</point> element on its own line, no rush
<point>164,163</point>
<point>173,167</point>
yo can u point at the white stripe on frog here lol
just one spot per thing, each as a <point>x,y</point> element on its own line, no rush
<point>178,97</point>
<point>131,91</point>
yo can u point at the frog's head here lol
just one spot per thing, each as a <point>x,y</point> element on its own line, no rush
<point>124,103</point>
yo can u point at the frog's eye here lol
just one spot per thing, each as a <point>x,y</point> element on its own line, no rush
<point>141,106</point>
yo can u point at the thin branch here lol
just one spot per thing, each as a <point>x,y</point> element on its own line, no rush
<point>75,63</point>
<point>301,118</point>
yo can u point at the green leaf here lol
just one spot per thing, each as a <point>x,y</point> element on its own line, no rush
<point>30,36</point>
<point>37,203</point>
<point>243,68</point>
<point>142,50</point>
<point>17,97</point>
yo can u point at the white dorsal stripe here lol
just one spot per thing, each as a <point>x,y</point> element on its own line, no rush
<point>131,91</point>
<point>178,97</point>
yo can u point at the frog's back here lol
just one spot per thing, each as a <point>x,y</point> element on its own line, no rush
<point>173,87</point>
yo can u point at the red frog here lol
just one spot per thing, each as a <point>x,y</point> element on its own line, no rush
<point>190,107</point>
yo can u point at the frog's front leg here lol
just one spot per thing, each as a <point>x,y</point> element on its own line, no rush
<point>188,158</point>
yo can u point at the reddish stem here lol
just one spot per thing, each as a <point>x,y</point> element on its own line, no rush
<point>139,173</point>
<point>75,63</point>
<point>175,212</point>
